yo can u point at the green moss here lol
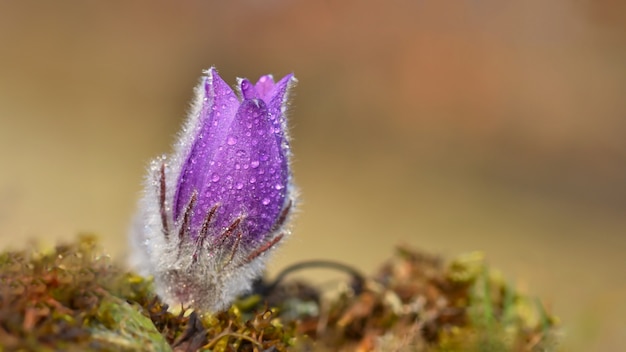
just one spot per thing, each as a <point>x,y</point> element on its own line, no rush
<point>73,298</point>
<point>120,326</point>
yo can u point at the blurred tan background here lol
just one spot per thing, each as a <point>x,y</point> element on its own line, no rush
<point>449,125</point>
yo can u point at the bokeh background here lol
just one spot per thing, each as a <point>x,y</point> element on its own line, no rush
<point>449,125</point>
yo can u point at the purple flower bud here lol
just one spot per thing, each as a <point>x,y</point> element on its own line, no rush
<point>214,209</point>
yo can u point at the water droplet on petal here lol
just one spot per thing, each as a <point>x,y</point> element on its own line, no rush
<point>265,201</point>
<point>252,179</point>
<point>279,186</point>
<point>240,153</point>
<point>215,177</point>
<point>231,140</point>
<point>239,185</point>
<point>254,164</point>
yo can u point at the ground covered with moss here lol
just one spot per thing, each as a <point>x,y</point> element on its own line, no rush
<point>74,298</point>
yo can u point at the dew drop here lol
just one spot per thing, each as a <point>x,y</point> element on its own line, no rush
<point>254,164</point>
<point>232,140</point>
<point>252,179</point>
<point>239,185</point>
<point>215,177</point>
<point>279,186</point>
<point>265,201</point>
<point>240,153</point>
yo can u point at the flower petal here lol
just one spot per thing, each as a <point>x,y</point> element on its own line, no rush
<point>216,115</point>
<point>251,178</point>
<point>276,100</point>
<point>264,86</point>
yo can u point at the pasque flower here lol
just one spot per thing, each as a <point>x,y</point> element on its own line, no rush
<point>215,208</point>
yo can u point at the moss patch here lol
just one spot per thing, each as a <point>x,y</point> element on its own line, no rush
<point>74,298</point>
